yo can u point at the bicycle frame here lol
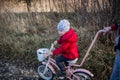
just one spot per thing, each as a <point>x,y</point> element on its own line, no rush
<point>50,63</point>
<point>69,71</point>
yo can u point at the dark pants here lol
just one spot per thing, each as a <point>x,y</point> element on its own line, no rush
<point>116,68</point>
<point>59,60</point>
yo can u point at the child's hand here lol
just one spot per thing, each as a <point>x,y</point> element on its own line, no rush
<point>48,54</point>
<point>55,42</point>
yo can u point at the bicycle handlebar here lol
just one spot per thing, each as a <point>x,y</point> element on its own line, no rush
<point>103,30</point>
<point>52,46</point>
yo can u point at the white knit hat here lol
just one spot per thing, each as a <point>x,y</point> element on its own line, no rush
<point>63,25</point>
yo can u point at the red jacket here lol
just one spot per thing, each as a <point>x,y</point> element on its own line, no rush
<point>68,47</point>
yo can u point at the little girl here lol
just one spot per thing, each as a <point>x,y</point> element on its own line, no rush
<point>68,49</point>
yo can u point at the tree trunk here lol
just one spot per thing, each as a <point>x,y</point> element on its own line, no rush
<point>28,2</point>
<point>115,10</point>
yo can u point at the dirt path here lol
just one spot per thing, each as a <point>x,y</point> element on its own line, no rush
<point>16,70</point>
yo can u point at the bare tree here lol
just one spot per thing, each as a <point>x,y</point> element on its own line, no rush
<point>115,9</point>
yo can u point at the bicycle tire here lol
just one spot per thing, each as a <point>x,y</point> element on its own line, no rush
<point>48,74</point>
<point>81,75</point>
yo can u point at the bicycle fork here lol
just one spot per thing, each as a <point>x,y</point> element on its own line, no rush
<point>45,68</point>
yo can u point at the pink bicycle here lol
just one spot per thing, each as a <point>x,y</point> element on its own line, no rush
<point>48,68</point>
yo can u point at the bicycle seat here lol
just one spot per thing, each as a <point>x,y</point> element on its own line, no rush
<point>72,61</point>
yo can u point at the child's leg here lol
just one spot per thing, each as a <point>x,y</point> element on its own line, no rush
<point>66,63</point>
<point>59,61</point>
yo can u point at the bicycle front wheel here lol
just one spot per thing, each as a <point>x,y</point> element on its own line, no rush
<point>47,75</point>
<point>81,76</point>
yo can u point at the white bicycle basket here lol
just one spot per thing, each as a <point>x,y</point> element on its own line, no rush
<point>40,54</point>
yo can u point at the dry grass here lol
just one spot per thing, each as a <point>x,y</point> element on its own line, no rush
<point>21,34</point>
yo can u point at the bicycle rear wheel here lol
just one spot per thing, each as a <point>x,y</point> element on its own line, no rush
<point>48,75</point>
<point>81,76</point>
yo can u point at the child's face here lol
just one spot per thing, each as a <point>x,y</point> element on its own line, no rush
<point>61,33</point>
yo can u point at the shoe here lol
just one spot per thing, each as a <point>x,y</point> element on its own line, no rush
<point>60,75</point>
<point>61,78</point>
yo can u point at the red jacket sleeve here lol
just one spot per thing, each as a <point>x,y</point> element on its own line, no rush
<point>61,48</point>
